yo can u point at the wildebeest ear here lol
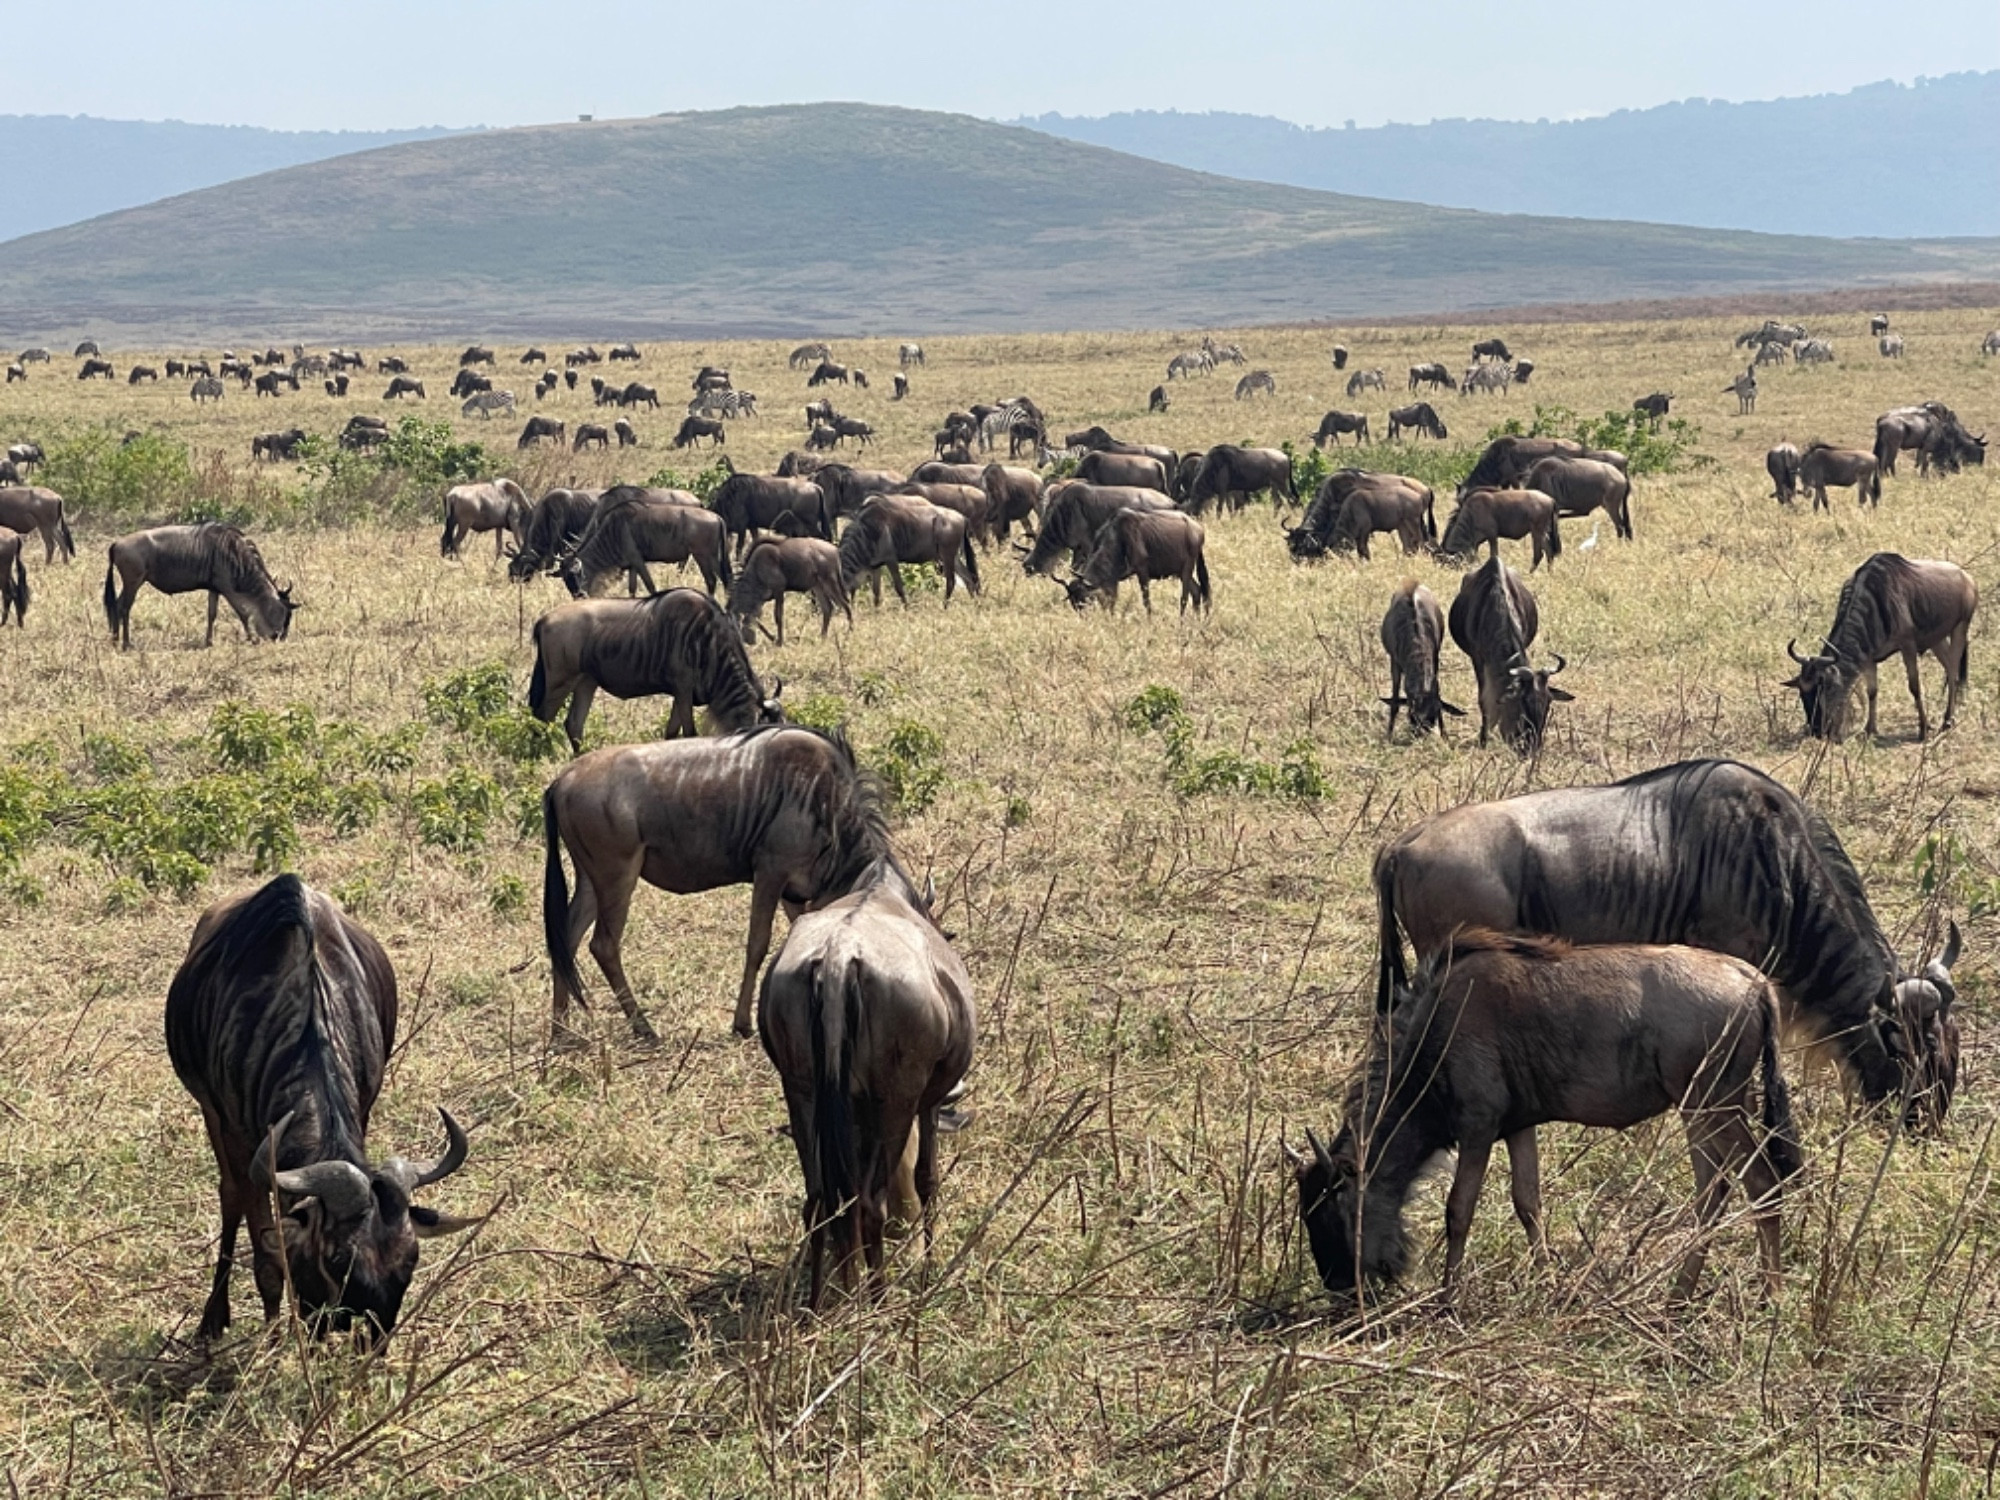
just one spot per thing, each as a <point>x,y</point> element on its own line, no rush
<point>1950,955</point>
<point>1395,702</point>
<point>1557,695</point>
<point>1793,682</point>
<point>430,1224</point>
<point>1451,708</point>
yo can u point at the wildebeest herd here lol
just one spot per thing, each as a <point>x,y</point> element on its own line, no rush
<point>1683,916</point>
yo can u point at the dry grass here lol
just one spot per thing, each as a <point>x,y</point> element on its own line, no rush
<point>1116,1303</point>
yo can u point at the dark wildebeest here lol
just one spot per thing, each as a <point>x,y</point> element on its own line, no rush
<point>1494,621</point>
<point>1014,497</point>
<point>401,385</point>
<point>1523,369</point>
<point>140,373</point>
<point>1890,605</point>
<point>280,1022</point>
<point>555,522</point>
<point>1581,485</point>
<point>780,807</point>
<point>1492,349</point>
<point>585,356</point>
<point>626,433</point>
<point>1506,461</point>
<point>1822,465</point>
<point>210,557</point>
<point>1099,466</point>
<point>1231,476</point>
<point>1503,1033</point>
<point>694,429</point>
<point>14,592</point>
<point>776,566</point>
<point>208,388</point>
<point>801,465</point>
<point>534,356</point>
<point>466,382</point>
<point>1432,375</point>
<point>678,642</point>
<point>893,529</point>
<point>1490,516</point>
<point>867,1015</point>
<point>845,486</point>
<point>30,507</point>
<point>497,506</point>
<point>899,386</point>
<point>634,527</point>
<point>336,385</point>
<point>569,380</point>
<point>277,446</point>
<point>97,369</point>
<point>1334,423</point>
<point>1073,513</point>
<point>392,364</point>
<point>844,428</point>
<point>750,503</point>
<point>1744,389</point>
<point>1157,400</point>
<point>539,428</point>
<point>1254,382</point>
<point>1340,356</point>
<point>589,434</point>
<point>1420,418</point>
<point>825,440</point>
<point>1708,852</point>
<point>1654,408</point>
<point>1352,505</point>
<point>627,352</point>
<point>1782,464</point>
<point>1878,324</point>
<point>1413,636</point>
<point>25,456</point>
<point>1367,380</point>
<point>16,371</point>
<point>938,472</point>
<point>1907,427</point>
<point>1144,545</point>
<point>637,394</point>
<point>270,382</point>
<point>820,411</point>
<point>475,355</point>
<point>825,373</point>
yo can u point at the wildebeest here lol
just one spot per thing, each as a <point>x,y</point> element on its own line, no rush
<point>14,591</point>
<point>539,428</point>
<point>392,364</point>
<point>336,386</point>
<point>807,355</point>
<point>1255,381</point>
<point>776,566</point>
<point>694,429</point>
<point>899,386</point>
<point>403,385</point>
<point>1504,1033</point>
<point>139,373</point>
<point>845,486</point>
<point>569,380</point>
<point>1413,637</point>
<point>1822,465</point>
<point>1494,621</point>
<point>534,355</point>
<point>362,433</point>
<point>32,507</point>
<point>1014,497</point>
<point>893,529</point>
<point>467,382</point>
<point>1490,516</point>
<point>826,372</point>
<point>1156,401</point>
<point>626,433</point>
<point>589,434</point>
<point>1353,504</point>
<point>1432,375</point>
<point>1744,389</point>
<point>1420,418</point>
<point>96,369</point>
<point>677,642</point>
<point>1991,343</point>
<point>587,355</point>
<point>1782,464</point>
<point>1890,605</point>
<point>1654,408</point>
<point>1099,466</point>
<point>1492,349</point>
<point>1878,323</point>
<point>272,381</point>
<point>749,503</point>
<point>25,456</point>
<point>277,446</point>
<point>1231,476</point>
<point>1367,380</point>
<point>1581,485</point>
<point>1144,545</point>
<point>1891,346</point>
<point>1334,423</point>
<point>16,371</point>
<point>1707,852</point>
<point>1522,371</point>
<point>633,527</point>
<point>938,472</point>
<point>86,347</point>
<point>627,352</point>
<point>497,506</point>
<point>867,1015</point>
<point>210,557</point>
<point>1073,514</point>
<point>476,354</point>
<point>554,522</point>
<point>801,465</point>
<point>1340,356</point>
<point>1505,461</point>
<point>782,808</point>
<point>1905,427</point>
<point>280,1022</point>
<point>635,393</point>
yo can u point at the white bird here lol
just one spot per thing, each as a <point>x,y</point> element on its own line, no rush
<point>1590,541</point>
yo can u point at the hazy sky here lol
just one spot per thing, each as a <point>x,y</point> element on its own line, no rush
<point>372,64</point>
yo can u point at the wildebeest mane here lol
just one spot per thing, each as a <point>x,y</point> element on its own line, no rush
<point>1861,622</point>
<point>858,828</point>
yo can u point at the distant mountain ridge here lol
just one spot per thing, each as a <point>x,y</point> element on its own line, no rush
<point>64,168</point>
<point>1885,159</point>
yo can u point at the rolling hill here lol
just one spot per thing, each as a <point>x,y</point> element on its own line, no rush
<point>840,218</point>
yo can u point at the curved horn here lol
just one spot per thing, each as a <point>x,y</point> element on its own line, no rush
<point>1792,650</point>
<point>1560,664</point>
<point>411,1175</point>
<point>1297,1160</point>
<point>1320,1153</point>
<point>1950,955</point>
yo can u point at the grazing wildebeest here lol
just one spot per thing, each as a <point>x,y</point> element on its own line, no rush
<point>277,446</point>
<point>1144,545</point>
<point>16,371</point>
<point>280,1022</point>
<point>497,506</point>
<point>534,356</point>
<point>1340,356</point>
<point>783,808</point>
<point>801,465</point>
<point>776,566</point>
<point>584,356</point>
<point>539,428</point>
<point>14,592</point>
<point>1506,460</point>
<point>1906,427</point>
<point>694,429</point>
<point>590,434</point>
<point>826,372</point>
<point>937,472</point>
<point>569,380</point>
<point>821,411</point>
<point>557,520</point>
<point>1654,408</point>
<point>1489,516</point>
<point>1503,1033</point>
<point>749,503</point>
<point>1492,349</point>
<point>1523,369</point>
<point>844,428</point>
<point>601,391</point>
<point>1744,389</point>
<point>475,354</point>
<point>1822,465</point>
<point>96,369</point>
<point>1367,380</point>
<point>626,433</point>
<point>860,378</point>
<point>1991,343</point>
<point>87,347</point>
<point>1494,621</point>
<point>31,507</point>
<point>633,527</point>
<point>1073,513</point>
<point>627,352</point>
<point>402,385</point>
<point>1581,485</point>
<point>845,486</point>
<point>362,433</point>
<point>825,440</point>
<point>807,355</point>
<point>1707,852</point>
<point>549,381</point>
<point>1255,381</point>
<point>468,382</point>
<point>1413,637</point>
<point>1231,476</point>
<point>909,354</point>
<point>1155,402</point>
<point>1782,464</point>
<point>1949,448</point>
<point>634,393</point>
<point>1352,505</point>
<point>1432,375</point>
<point>1420,418</point>
<point>271,382</point>
<point>1014,496</point>
<point>1890,605</point>
<point>140,373</point>
<point>677,642</point>
<point>1878,323</point>
<point>25,456</point>
<point>208,388</point>
<point>1891,346</point>
<point>899,386</point>
<point>893,529</point>
<point>210,557</point>
<point>1100,466</point>
<point>867,1015</point>
<point>35,356</point>
<point>336,386</point>
<point>1334,423</point>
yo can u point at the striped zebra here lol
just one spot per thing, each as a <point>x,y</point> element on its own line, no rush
<point>485,403</point>
<point>723,403</point>
<point>1000,421</point>
<point>1189,363</point>
<point>1812,352</point>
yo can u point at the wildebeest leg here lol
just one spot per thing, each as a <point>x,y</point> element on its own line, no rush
<point>1916,691</point>
<point>641,572</point>
<point>1951,656</point>
<point>778,614</point>
<point>680,722</point>
<point>764,893</point>
<point>924,1176</point>
<point>1708,1149</point>
<point>799,1112</point>
<point>214,603</point>
<point>1868,676</point>
<point>1524,1171</point>
<point>215,1313</point>
<point>1146,596</point>
<point>267,1252</point>
<point>1459,1203</point>
<point>614,906</point>
<point>499,542</point>
<point>581,697</point>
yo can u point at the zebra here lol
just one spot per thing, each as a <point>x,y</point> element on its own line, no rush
<point>1000,422</point>
<point>1223,354</point>
<point>724,403</point>
<point>1771,354</point>
<point>1812,352</point>
<point>1492,376</point>
<point>1190,363</point>
<point>485,403</point>
<point>1744,389</point>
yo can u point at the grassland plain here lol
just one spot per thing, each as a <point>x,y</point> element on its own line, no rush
<point>1117,1302</point>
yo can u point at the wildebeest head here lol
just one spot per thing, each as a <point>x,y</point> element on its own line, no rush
<point>1529,687</point>
<point>1923,1021</point>
<point>1823,682</point>
<point>350,1238</point>
<point>1341,1219</point>
<point>275,613</point>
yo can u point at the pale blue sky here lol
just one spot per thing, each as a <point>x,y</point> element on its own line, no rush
<point>370,64</point>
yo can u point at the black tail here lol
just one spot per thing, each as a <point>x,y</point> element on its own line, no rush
<point>538,681</point>
<point>555,901</point>
<point>1781,1137</point>
<point>722,568</point>
<point>62,530</point>
<point>111,599</point>
<point>20,591</point>
<point>1964,659</point>
<point>1555,535</point>
<point>1430,516</point>
<point>444,545</point>
<point>1201,577</point>
<point>836,1007</point>
<point>1391,973</point>
<point>971,561</point>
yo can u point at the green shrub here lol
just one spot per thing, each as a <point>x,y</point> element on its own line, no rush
<point>826,711</point>
<point>463,698</point>
<point>1309,471</point>
<point>112,757</point>
<point>1296,774</point>
<point>454,813</point>
<point>508,896</point>
<point>98,471</point>
<point>911,766</point>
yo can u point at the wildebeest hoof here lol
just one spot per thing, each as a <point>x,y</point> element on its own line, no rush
<point>743,1029</point>
<point>951,1120</point>
<point>565,1038</point>
<point>642,1029</point>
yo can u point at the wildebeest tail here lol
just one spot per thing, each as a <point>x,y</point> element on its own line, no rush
<point>1964,658</point>
<point>835,1017</point>
<point>1430,516</point>
<point>1201,576</point>
<point>722,569</point>
<point>111,598</point>
<point>971,561</point>
<point>62,531</point>
<point>1781,1137</point>
<point>1875,485</point>
<point>1391,971</point>
<point>555,900</point>
<point>1555,535</point>
<point>538,680</point>
<point>20,590</point>
<point>444,545</point>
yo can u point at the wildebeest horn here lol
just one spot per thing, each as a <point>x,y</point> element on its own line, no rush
<point>1792,650</point>
<point>1320,1153</point>
<point>1560,664</point>
<point>1950,954</point>
<point>411,1175</point>
<point>1298,1160</point>
<point>1022,548</point>
<point>777,688</point>
<point>341,1187</point>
